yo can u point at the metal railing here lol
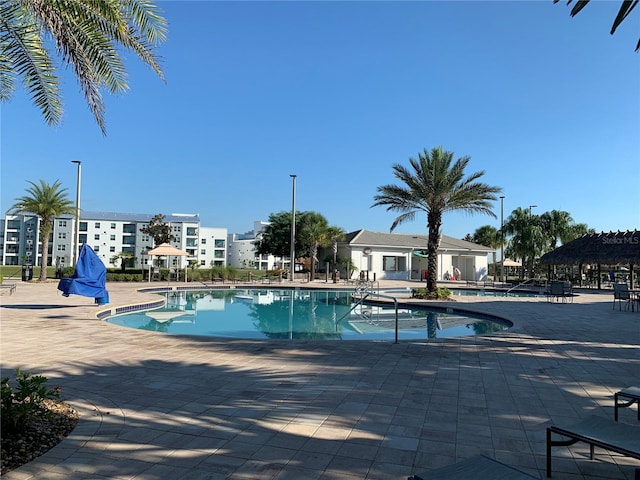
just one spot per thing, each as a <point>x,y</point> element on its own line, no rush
<point>365,290</point>
<point>527,281</point>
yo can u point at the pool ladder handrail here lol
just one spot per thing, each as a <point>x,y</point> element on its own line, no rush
<point>367,293</point>
<point>521,284</point>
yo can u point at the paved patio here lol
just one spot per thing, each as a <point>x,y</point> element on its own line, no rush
<point>154,406</point>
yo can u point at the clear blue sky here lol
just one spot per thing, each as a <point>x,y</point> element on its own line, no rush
<point>336,93</point>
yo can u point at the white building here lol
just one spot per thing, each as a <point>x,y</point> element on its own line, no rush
<point>242,251</point>
<point>109,234</point>
<point>392,256</point>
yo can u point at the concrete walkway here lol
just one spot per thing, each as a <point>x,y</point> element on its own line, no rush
<point>154,406</point>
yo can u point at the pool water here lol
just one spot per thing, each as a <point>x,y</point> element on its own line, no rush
<point>297,314</point>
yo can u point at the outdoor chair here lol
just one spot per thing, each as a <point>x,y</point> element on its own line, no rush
<point>596,432</point>
<point>479,467</point>
<point>625,398</point>
<point>559,290</point>
<point>621,294</point>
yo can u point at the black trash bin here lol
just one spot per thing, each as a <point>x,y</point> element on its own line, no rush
<point>27,273</point>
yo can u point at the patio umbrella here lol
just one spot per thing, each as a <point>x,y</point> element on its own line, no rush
<point>509,263</point>
<point>166,250</point>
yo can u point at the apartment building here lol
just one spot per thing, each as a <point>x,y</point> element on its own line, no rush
<point>109,234</point>
<point>242,251</point>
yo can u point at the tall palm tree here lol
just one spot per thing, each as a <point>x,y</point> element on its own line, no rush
<point>435,185</point>
<point>46,202</point>
<point>335,234</point>
<point>314,233</point>
<point>89,36</point>
<point>555,225</point>
<point>527,237</point>
<point>489,236</point>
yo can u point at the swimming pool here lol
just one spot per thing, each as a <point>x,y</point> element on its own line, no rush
<point>300,315</point>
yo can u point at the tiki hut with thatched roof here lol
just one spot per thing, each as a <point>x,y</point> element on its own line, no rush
<point>613,248</point>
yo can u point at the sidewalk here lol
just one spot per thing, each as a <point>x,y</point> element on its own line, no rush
<point>167,407</point>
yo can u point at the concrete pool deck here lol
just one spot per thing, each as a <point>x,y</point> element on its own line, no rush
<point>154,406</point>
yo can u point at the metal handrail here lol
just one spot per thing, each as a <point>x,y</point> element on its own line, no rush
<point>521,284</point>
<point>367,293</point>
<point>395,304</point>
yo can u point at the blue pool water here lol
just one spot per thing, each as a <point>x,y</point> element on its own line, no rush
<point>297,314</point>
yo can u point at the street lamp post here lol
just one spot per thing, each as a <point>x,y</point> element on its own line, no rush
<point>76,227</point>
<point>292,252</point>
<point>502,279</point>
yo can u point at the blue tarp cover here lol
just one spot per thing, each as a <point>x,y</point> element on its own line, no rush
<point>89,278</point>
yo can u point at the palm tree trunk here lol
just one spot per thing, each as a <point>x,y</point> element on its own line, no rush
<point>45,230</point>
<point>433,243</point>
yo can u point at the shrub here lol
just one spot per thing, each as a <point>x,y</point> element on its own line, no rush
<point>441,294</point>
<point>25,403</point>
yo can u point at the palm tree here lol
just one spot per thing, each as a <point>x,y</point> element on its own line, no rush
<point>555,226</point>
<point>527,240</point>
<point>46,202</point>
<point>625,9</point>
<point>335,235</point>
<point>314,233</point>
<point>489,237</point>
<point>435,186</point>
<point>89,36</point>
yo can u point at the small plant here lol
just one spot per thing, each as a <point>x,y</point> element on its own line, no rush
<point>25,403</point>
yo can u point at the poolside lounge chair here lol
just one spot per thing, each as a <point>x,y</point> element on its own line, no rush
<point>625,398</point>
<point>621,294</point>
<point>479,467</point>
<point>597,432</point>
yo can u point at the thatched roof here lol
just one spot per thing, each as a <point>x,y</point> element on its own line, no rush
<point>598,248</point>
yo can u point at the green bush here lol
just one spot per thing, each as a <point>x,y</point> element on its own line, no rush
<point>441,294</point>
<point>25,403</point>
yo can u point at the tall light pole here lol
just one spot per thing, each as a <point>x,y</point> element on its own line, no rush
<point>76,227</point>
<point>530,207</point>
<point>292,252</point>
<point>502,279</point>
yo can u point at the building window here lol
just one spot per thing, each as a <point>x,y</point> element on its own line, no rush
<point>62,235</point>
<point>96,248</point>
<point>112,237</point>
<point>394,264</point>
<point>218,254</point>
<point>82,238</point>
<point>203,241</point>
<point>202,263</point>
<point>113,226</point>
<point>219,243</point>
<point>112,249</point>
<point>96,236</point>
<point>83,226</point>
<point>97,225</point>
<point>192,231</point>
<point>203,252</point>
<point>62,248</point>
<point>62,223</point>
<point>129,228</point>
<point>145,238</point>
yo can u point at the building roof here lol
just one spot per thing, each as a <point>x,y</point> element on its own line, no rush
<point>138,217</point>
<point>409,240</point>
<point>598,248</point>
